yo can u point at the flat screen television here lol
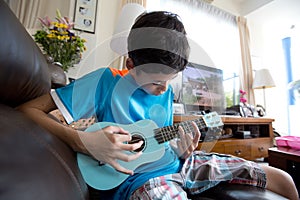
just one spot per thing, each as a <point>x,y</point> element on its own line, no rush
<point>202,89</point>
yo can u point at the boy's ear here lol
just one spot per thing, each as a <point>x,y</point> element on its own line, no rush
<point>129,64</point>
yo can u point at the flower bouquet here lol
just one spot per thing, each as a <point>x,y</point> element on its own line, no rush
<point>59,40</point>
<point>242,96</point>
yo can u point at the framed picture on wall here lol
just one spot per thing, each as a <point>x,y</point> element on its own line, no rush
<point>85,15</point>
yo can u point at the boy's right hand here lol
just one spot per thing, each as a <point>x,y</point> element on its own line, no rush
<point>108,147</point>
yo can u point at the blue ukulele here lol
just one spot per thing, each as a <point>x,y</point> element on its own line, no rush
<point>105,177</point>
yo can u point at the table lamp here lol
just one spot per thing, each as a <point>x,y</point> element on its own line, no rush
<point>263,80</point>
<point>129,13</point>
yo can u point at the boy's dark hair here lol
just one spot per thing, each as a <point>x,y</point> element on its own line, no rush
<point>158,37</point>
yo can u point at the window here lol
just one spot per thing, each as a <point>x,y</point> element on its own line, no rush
<point>291,51</point>
<point>214,38</point>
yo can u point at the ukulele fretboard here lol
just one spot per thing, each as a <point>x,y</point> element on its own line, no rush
<point>168,133</point>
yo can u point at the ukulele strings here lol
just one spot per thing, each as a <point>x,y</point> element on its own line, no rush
<point>170,132</point>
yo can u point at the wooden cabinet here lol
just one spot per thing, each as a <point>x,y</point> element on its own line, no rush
<point>259,148</point>
<point>251,148</point>
<point>288,160</point>
<point>240,150</point>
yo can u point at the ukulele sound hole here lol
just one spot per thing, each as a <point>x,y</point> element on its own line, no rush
<point>136,138</point>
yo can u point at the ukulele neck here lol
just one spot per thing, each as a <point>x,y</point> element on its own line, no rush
<point>168,133</point>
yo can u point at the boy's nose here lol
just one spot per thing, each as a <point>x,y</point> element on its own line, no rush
<point>163,87</point>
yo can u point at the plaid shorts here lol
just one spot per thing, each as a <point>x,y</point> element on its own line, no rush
<point>200,172</point>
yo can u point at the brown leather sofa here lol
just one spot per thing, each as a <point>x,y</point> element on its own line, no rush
<point>33,163</point>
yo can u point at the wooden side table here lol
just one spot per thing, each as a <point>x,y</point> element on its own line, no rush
<point>251,148</point>
<point>288,160</point>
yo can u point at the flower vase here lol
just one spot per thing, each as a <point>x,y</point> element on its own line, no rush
<point>58,76</point>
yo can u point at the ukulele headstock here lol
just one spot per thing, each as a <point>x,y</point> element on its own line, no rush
<point>214,126</point>
<point>212,120</point>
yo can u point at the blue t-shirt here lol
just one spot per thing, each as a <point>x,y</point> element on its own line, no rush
<point>114,96</point>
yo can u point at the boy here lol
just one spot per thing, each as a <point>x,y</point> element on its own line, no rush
<point>158,49</point>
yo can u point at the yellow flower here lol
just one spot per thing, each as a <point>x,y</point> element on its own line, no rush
<point>51,35</point>
<point>59,25</point>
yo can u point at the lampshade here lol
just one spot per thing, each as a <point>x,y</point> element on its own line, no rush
<point>129,13</point>
<point>263,79</point>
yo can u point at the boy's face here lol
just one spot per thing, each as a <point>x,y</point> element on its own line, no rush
<point>153,83</point>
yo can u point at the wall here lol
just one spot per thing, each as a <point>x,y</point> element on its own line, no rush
<point>268,26</point>
<point>98,52</point>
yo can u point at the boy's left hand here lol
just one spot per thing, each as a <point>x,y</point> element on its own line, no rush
<point>187,143</point>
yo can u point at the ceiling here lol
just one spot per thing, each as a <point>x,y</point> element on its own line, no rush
<point>240,7</point>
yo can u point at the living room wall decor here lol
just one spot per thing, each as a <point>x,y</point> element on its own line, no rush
<point>85,15</point>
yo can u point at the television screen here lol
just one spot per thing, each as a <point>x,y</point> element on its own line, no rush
<point>202,89</point>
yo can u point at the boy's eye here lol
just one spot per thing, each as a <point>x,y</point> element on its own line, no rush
<point>156,84</point>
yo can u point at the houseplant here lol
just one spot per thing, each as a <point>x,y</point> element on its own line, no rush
<point>60,41</point>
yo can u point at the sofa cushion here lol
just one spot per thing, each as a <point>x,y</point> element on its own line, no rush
<point>228,191</point>
<point>23,68</point>
<point>34,164</point>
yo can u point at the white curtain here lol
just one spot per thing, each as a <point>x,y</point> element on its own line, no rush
<point>142,2</point>
<point>27,11</point>
<point>246,72</point>
<point>213,29</point>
